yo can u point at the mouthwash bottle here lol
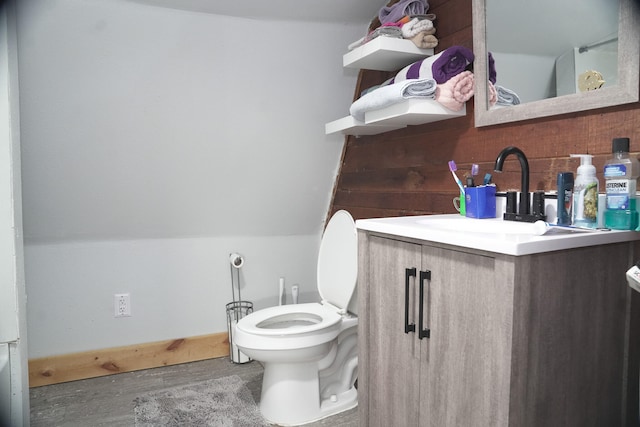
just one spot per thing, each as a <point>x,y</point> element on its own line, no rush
<point>621,176</point>
<point>585,193</point>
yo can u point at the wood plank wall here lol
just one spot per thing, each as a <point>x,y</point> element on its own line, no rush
<point>405,172</point>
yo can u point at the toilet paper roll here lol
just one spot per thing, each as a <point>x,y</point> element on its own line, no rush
<point>236,260</point>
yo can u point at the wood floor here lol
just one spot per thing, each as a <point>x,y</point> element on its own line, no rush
<point>108,401</point>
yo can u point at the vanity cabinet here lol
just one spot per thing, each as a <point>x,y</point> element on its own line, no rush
<point>536,340</point>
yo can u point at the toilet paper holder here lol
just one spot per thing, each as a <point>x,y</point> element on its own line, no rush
<point>236,260</point>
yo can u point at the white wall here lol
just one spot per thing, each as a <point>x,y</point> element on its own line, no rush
<point>157,141</point>
<point>178,287</point>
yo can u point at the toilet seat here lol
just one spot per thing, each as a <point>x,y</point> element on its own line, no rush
<point>293,319</point>
<point>288,327</point>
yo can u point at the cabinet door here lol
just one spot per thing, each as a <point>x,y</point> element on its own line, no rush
<point>466,360</point>
<point>393,369</point>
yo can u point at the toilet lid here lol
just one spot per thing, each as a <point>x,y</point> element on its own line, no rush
<point>338,260</point>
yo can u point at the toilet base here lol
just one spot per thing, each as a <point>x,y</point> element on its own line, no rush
<point>291,395</point>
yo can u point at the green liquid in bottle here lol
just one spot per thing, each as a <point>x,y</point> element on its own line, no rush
<point>622,219</point>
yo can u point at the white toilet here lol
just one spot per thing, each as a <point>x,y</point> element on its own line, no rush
<point>309,351</point>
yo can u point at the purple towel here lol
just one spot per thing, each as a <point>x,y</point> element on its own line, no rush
<point>452,61</point>
<point>492,69</point>
<point>403,8</point>
<point>441,67</point>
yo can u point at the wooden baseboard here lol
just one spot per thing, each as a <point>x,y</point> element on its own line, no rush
<point>97,363</point>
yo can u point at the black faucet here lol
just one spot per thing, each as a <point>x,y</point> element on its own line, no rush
<point>524,210</point>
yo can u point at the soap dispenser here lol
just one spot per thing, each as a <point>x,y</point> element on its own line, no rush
<point>585,193</point>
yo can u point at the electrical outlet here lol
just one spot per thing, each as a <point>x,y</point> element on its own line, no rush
<point>122,305</point>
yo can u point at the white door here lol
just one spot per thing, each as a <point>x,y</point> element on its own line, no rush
<point>14,386</point>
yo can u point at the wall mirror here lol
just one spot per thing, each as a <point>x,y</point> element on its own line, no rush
<point>591,62</point>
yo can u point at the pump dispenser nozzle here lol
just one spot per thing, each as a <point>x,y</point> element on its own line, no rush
<point>585,167</point>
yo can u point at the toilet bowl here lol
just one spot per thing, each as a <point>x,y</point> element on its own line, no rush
<point>309,351</point>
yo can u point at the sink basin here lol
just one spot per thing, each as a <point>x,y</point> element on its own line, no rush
<point>493,234</point>
<point>458,223</point>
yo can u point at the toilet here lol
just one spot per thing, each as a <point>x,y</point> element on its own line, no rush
<point>309,351</point>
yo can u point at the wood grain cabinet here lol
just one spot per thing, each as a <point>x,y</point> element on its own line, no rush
<point>450,336</point>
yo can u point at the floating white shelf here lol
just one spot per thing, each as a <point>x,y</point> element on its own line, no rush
<point>384,54</point>
<point>409,112</point>
<point>390,54</point>
<point>350,126</point>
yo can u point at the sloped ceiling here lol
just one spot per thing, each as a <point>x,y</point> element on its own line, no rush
<point>150,122</point>
<point>335,11</point>
<point>545,27</point>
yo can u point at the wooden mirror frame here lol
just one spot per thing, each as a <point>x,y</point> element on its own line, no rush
<point>626,91</point>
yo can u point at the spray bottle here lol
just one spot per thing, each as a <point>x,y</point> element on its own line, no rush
<point>621,175</point>
<point>585,193</point>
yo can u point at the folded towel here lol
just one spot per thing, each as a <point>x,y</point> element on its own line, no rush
<point>506,96</point>
<point>424,40</point>
<point>456,91</point>
<point>431,31</point>
<point>440,67</point>
<point>392,94</point>
<point>386,31</point>
<point>416,26</point>
<point>430,16</point>
<point>398,10</point>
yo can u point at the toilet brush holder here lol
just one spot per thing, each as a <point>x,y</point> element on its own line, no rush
<point>236,310</point>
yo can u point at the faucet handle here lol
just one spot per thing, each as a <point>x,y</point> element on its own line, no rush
<point>512,202</point>
<point>538,207</point>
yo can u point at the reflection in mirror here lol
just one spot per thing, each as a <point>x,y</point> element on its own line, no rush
<point>541,48</point>
<point>536,59</point>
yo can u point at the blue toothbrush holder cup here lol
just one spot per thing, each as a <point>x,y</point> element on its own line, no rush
<point>480,202</point>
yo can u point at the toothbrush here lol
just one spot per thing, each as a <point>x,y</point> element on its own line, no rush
<point>474,171</point>
<point>453,168</point>
<point>540,227</point>
<point>577,227</point>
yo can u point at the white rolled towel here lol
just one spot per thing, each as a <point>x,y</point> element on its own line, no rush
<point>393,94</point>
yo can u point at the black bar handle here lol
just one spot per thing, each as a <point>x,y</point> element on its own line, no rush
<point>423,333</point>
<point>408,272</point>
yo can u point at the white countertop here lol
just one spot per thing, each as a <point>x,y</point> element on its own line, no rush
<point>513,238</point>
